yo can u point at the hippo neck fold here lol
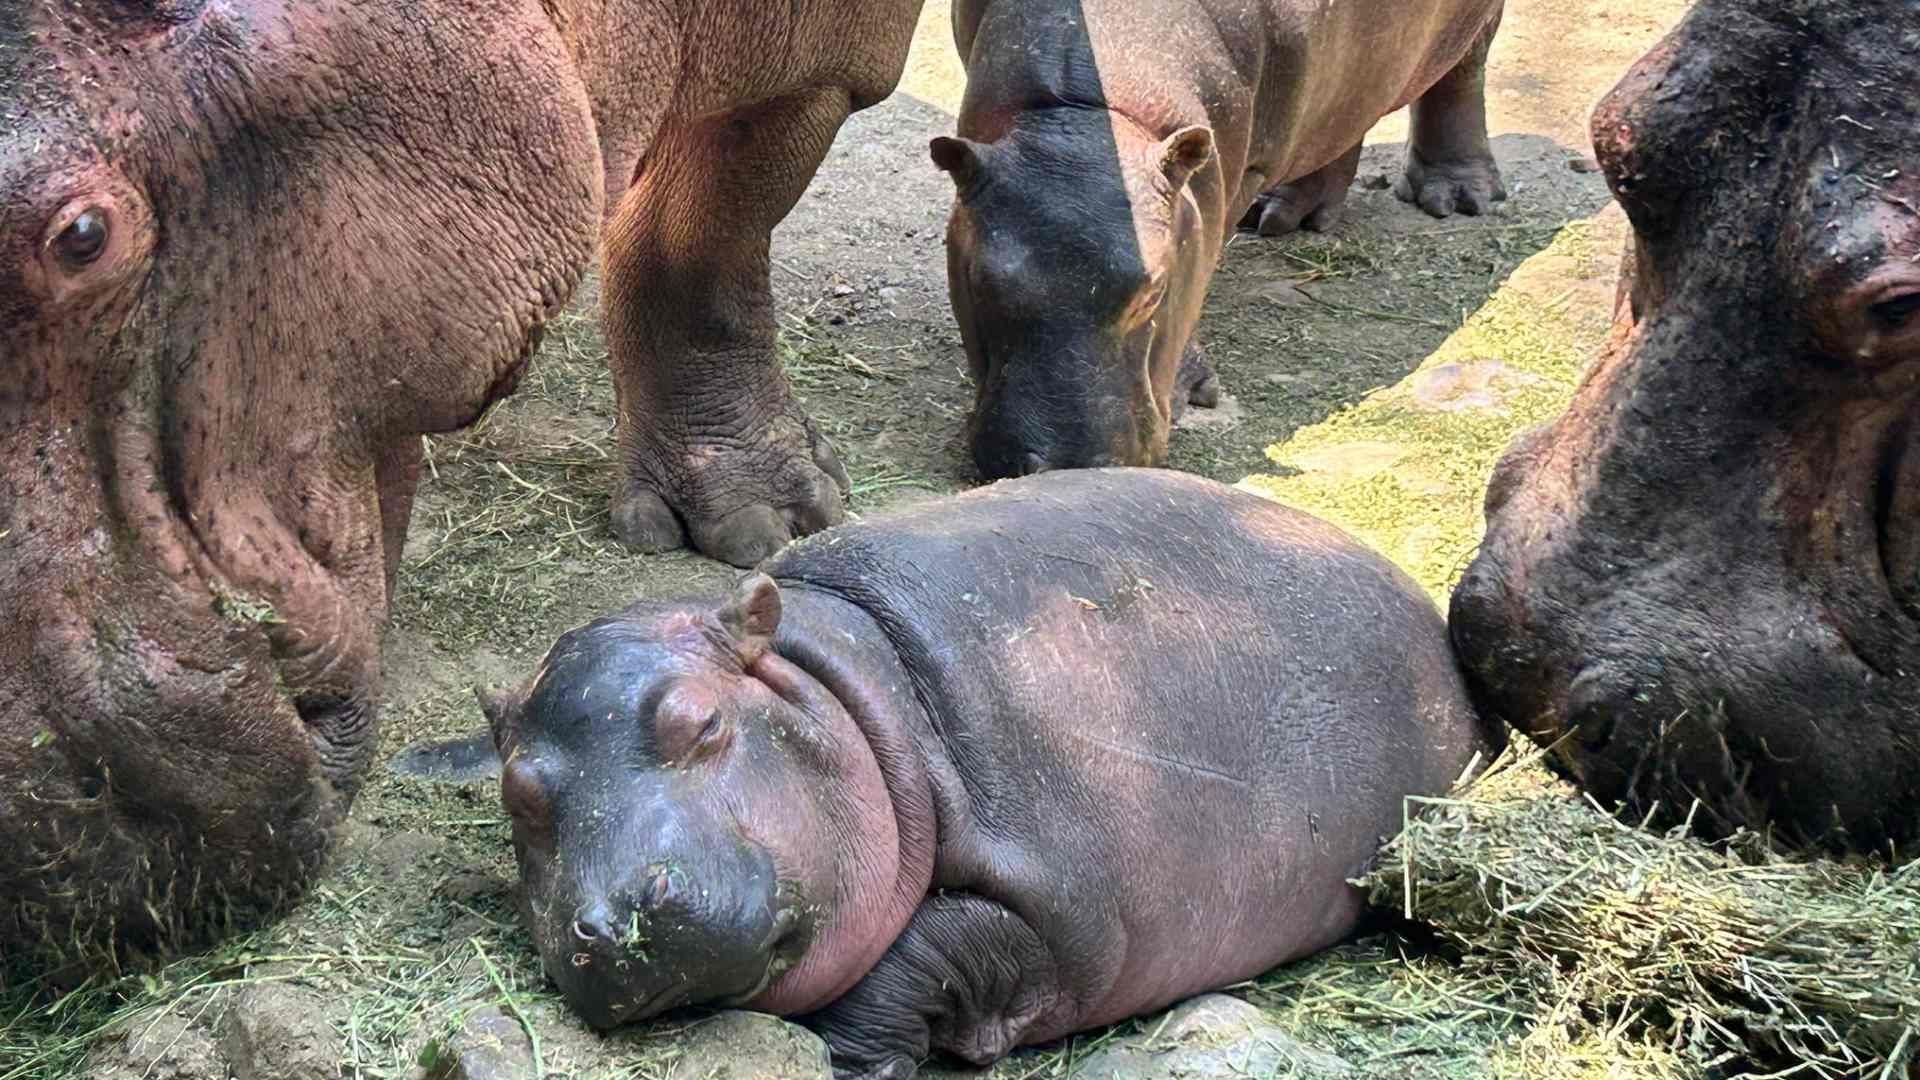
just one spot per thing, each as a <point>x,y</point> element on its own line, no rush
<point>842,647</point>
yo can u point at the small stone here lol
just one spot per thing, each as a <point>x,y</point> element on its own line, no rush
<point>278,1031</point>
<point>1377,182</point>
<point>165,1047</point>
<point>738,1045</point>
<point>843,290</point>
<point>491,1045</point>
<point>1583,165</point>
<point>890,293</point>
<point>1212,1036</point>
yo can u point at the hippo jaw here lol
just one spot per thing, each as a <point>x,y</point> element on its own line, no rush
<point>237,283</point>
<point>1077,262</point>
<point>1699,584</point>
<point>696,820</point>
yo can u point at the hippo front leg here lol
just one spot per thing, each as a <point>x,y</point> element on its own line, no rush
<point>1450,166</point>
<point>967,976</point>
<point>715,449</point>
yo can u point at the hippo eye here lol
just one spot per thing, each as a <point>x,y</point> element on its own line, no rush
<point>1895,313</point>
<point>84,238</point>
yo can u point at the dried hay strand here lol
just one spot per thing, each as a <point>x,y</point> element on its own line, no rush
<point>1737,956</point>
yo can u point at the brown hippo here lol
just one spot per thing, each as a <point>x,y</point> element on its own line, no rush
<point>250,250</point>
<point>1702,583</point>
<point>995,769</point>
<point>1108,149</point>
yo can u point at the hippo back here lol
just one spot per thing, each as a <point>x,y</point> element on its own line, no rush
<point>1182,715</point>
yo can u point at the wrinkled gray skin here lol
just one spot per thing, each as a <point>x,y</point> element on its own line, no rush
<point>986,772</point>
<point>1108,148</point>
<point>1703,581</point>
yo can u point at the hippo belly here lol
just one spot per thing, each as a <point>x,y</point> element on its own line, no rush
<point>1169,721</point>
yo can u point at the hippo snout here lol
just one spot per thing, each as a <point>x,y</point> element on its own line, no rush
<point>676,934</point>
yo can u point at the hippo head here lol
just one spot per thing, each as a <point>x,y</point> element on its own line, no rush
<point>696,820</point>
<point>1077,260</point>
<point>249,253</point>
<point>1701,584</point>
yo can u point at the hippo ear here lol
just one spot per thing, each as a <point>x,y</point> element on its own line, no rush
<point>501,706</point>
<point>752,615</point>
<point>958,158</point>
<point>1184,152</point>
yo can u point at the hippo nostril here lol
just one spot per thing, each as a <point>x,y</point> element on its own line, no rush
<point>1032,464</point>
<point>593,924</point>
<point>660,890</point>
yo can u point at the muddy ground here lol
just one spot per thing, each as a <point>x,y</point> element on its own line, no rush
<point>1372,375</point>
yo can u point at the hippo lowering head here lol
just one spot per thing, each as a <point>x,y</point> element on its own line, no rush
<point>238,279</point>
<point>1705,576</point>
<point>946,787</point>
<point>1109,148</point>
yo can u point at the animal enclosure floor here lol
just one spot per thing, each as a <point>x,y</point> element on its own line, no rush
<point>1372,375</point>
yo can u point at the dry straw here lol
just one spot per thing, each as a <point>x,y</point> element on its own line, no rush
<point>1731,954</point>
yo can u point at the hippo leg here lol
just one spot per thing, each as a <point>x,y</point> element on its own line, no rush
<point>715,448</point>
<point>1196,384</point>
<point>1313,202</point>
<point>967,976</point>
<point>1450,165</point>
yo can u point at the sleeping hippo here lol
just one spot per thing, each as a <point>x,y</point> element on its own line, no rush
<point>1107,150</point>
<point>985,772</point>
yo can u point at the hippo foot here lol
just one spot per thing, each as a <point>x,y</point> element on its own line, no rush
<point>1196,383</point>
<point>735,503</point>
<point>1466,186</point>
<point>1288,208</point>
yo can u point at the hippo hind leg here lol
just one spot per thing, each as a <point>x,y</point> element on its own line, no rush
<point>1450,166</point>
<point>1313,202</point>
<point>715,448</point>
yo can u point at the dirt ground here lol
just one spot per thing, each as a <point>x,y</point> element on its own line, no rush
<point>1372,375</point>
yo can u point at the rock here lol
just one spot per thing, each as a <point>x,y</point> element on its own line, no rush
<point>1486,384</point>
<point>491,1045</point>
<point>1212,1036</point>
<point>164,1047</point>
<point>738,1045</point>
<point>1583,165</point>
<point>1226,414</point>
<point>279,1031</point>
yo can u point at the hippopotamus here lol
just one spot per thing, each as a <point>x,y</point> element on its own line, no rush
<point>1106,152</point>
<point>982,772</point>
<point>1701,584</point>
<point>250,252</point>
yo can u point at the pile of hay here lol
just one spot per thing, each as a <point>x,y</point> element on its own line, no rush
<point>1735,957</point>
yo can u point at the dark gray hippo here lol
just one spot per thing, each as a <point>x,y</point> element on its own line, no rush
<point>995,769</point>
<point>1701,584</point>
<point>1108,148</point>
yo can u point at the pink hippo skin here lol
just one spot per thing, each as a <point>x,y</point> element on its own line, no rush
<point>984,772</point>
<point>1701,585</point>
<point>1107,150</point>
<point>250,250</point>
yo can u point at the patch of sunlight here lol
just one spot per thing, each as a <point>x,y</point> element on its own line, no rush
<point>934,74</point>
<point>1405,469</point>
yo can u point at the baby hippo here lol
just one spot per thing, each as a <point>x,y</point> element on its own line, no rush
<point>986,772</point>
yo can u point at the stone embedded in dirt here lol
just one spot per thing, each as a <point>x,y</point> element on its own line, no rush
<point>1213,1035</point>
<point>157,1047</point>
<point>1487,384</point>
<point>1228,413</point>
<point>738,1045</point>
<point>491,1045</point>
<point>1352,462</point>
<point>279,1031</point>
